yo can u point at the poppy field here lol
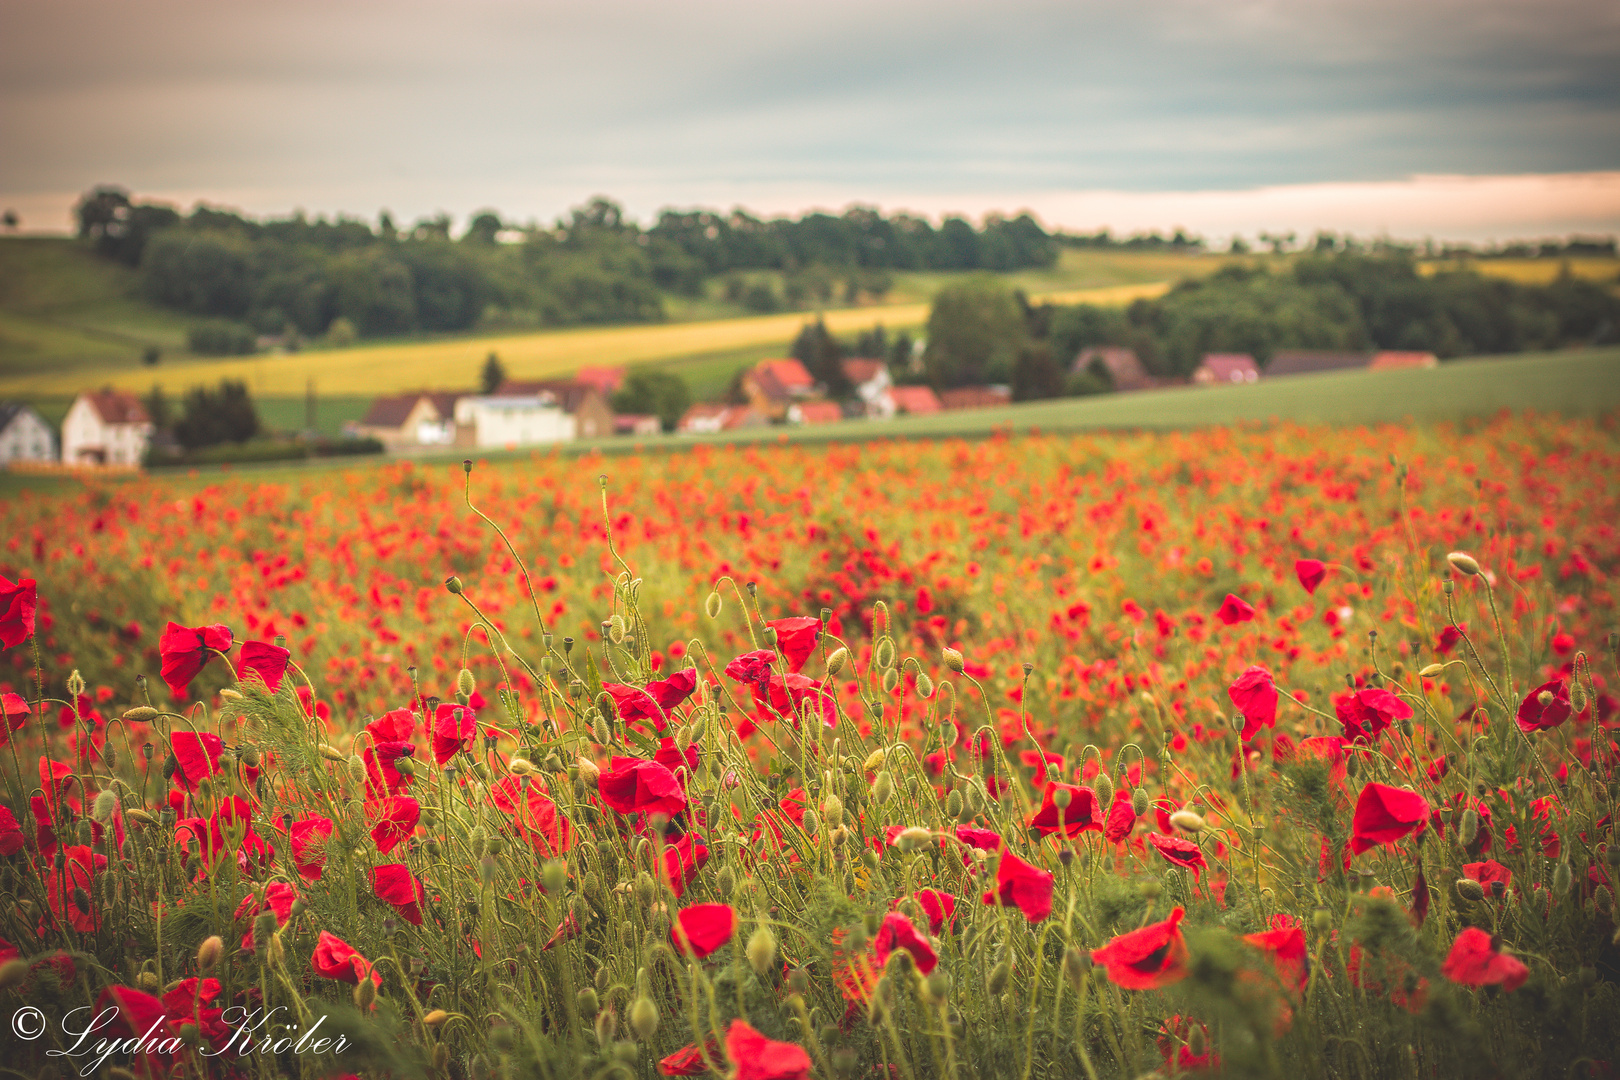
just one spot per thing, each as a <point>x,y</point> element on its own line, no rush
<point>1281,751</point>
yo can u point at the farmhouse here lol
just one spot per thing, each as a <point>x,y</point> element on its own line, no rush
<point>106,427</point>
<point>1122,364</point>
<point>1226,369</point>
<point>772,385</point>
<point>871,381</point>
<point>975,397</point>
<point>512,420</point>
<point>708,418</point>
<point>24,435</point>
<point>1313,361</point>
<point>425,418</point>
<point>608,380</point>
<point>815,412</point>
<point>584,402</point>
<point>636,424</point>
<point>1389,361</point>
<point>915,400</point>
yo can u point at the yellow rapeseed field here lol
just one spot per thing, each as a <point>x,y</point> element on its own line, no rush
<point>378,369</point>
<point>1531,271</point>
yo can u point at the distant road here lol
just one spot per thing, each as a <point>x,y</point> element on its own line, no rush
<point>381,369</point>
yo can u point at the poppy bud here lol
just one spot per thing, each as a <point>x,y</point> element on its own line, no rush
<point>953,659</point>
<point>264,928</point>
<point>365,994</point>
<point>912,838</point>
<point>13,973</point>
<point>465,684</point>
<point>1463,563</point>
<point>925,685</point>
<point>1469,829</point>
<point>169,766</point>
<point>1076,966</point>
<point>615,629</point>
<point>587,1001</point>
<point>1139,801</point>
<point>954,803</point>
<point>330,753</point>
<point>1469,889</point>
<point>1063,798</point>
<point>644,1019</point>
<point>140,816</point>
<point>1150,888</point>
<point>1321,920</point>
<point>1603,900</point>
<point>106,802</point>
<point>554,875</point>
<point>891,679</point>
<point>1103,784</point>
<point>646,889</point>
<point>405,766</point>
<point>885,653</point>
<point>1186,821</point>
<point>75,683</point>
<point>725,883</point>
<point>999,976</point>
<point>607,1026</point>
<point>1562,878</point>
<point>453,584</point>
<point>836,660</point>
<point>1197,1041</point>
<point>434,1018</point>
<point>832,808</point>
<point>1577,702</point>
<point>811,823</point>
<point>209,953</point>
<point>761,950</point>
<point>140,714</point>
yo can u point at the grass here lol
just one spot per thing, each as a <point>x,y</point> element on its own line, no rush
<point>1532,271</point>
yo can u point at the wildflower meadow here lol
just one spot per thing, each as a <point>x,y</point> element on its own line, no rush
<point>1280,751</point>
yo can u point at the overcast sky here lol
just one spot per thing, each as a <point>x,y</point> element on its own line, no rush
<point>1220,115</point>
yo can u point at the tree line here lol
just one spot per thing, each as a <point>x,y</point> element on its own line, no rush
<point>299,278</point>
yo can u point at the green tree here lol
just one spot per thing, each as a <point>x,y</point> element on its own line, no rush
<point>492,375</point>
<point>823,356</point>
<point>217,416</point>
<point>1036,373</point>
<point>663,394</point>
<point>975,332</point>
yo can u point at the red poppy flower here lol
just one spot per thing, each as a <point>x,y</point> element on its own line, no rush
<point>1449,636</point>
<point>940,907</point>
<point>1181,852</point>
<point>135,1014</point>
<point>334,958</point>
<point>654,701</point>
<point>268,661</point>
<point>1534,715</point>
<point>1310,573</point>
<point>1080,816</point>
<point>308,838</point>
<point>66,886</point>
<point>455,727</point>
<point>395,884</point>
<point>15,712</point>
<point>567,930</point>
<point>1174,1036</point>
<point>752,668</point>
<point>1474,961</point>
<point>759,1058</point>
<point>794,695</point>
<point>196,757</point>
<point>278,899</point>
<point>1018,884</point>
<point>18,601</point>
<point>681,862</point>
<point>983,839</point>
<point>1234,610</point>
<point>1284,944</point>
<point>1255,695</point>
<point>1121,819</point>
<point>397,816</point>
<point>1367,714</point>
<point>185,649</point>
<point>534,816</point>
<point>1491,874</point>
<point>1146,959</point>
<point>638,786</point>
<point>383,777</point>
<point>702,928</point>
<point>395,725</point>
<point>670,757</point>
<point>897,932</point>
<point>797,637</point>
<point>11,835</point>
<point>688,1060</point>
<point>1384,815</point>
<point>187,1004</point>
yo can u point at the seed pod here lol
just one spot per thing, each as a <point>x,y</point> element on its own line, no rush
<point>453,584</point>
<point>761,950</point>
<point>1463,563</point>
<point>644,1019</point>
<point>1103,784</point>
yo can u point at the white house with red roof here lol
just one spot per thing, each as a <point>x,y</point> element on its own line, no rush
<point>1226,369</point>
<point>106,427</point>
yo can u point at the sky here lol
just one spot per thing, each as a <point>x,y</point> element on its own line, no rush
<point>1478,120</point>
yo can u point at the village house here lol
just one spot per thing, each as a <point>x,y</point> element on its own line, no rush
<point>1313,361</point>
<point>24,435</point>
<point>636,424</point>
<point>1392,360</point>
<point>607,380</point>
<point>914,400</point>
<point>871,381</point>
<point>771,386</point>
<point>711,418</point>
<point>1123,366</point>
<point>584,402</point>
<point>106,427</point>
<point>511,420</point>
<point>815,412</point>
<point>1226,369</point>
<point>402,421</point>
<point>975,397</point>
